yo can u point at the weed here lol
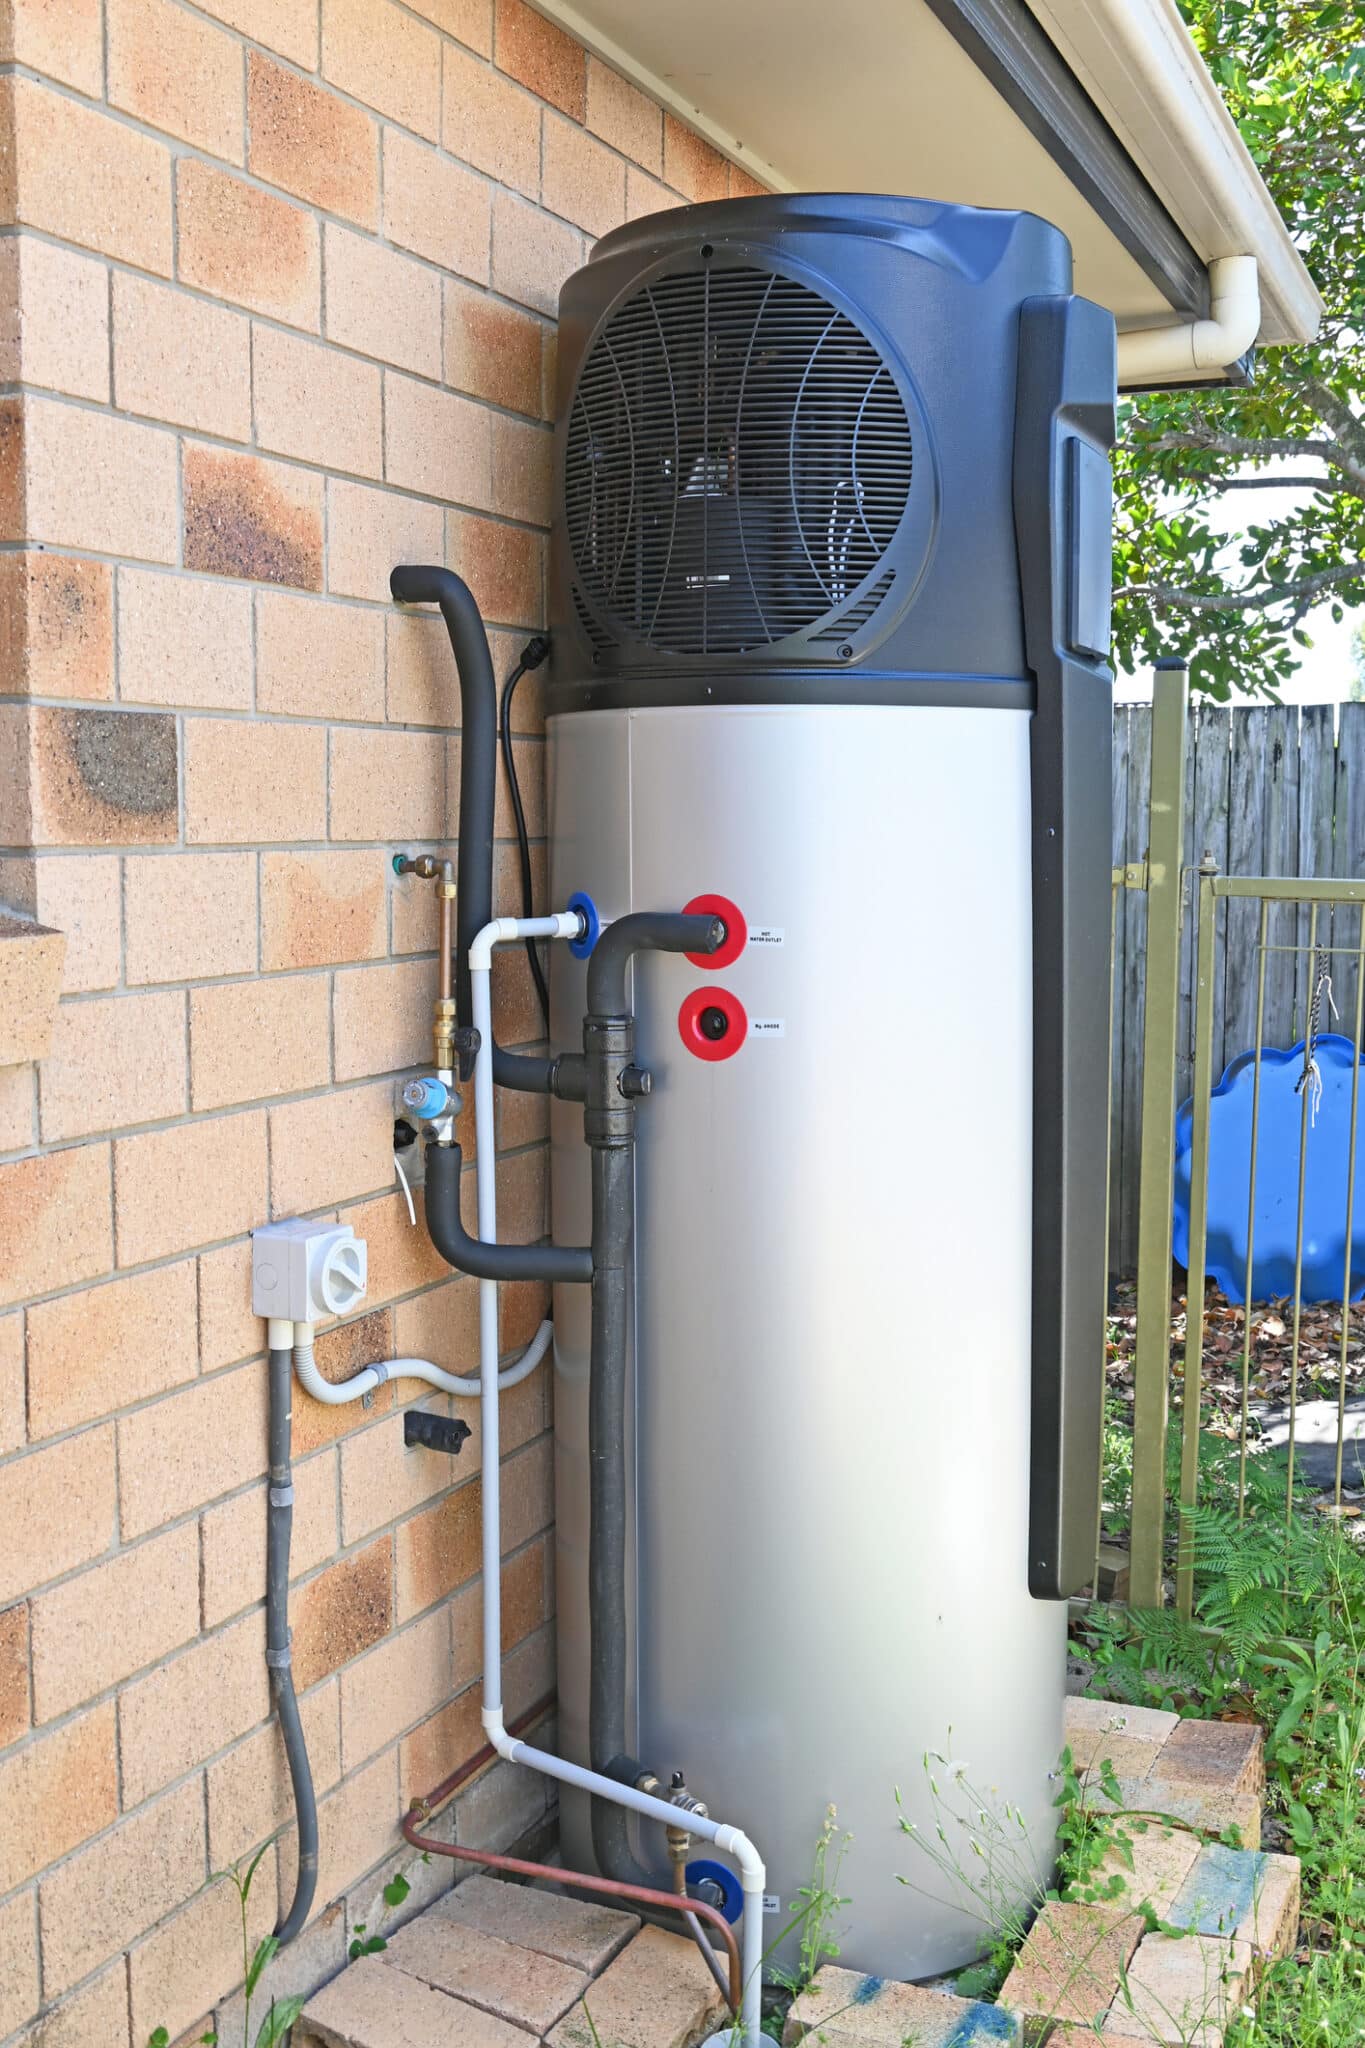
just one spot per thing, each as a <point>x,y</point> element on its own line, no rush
<point>393,1895</point>
<point>255,1962</point>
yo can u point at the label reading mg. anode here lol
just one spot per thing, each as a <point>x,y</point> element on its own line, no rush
<point>766,935</point>
<point>767,1027</point>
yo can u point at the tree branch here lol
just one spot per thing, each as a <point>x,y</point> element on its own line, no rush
<point>1243,448</point>
<point>1270,483</point>
<point>1350,431</point>
<point>1257,598</point>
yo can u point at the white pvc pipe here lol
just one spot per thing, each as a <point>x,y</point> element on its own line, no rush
<point>1152,355</point>
<point>731,1840</point>
<point>333,1394</point>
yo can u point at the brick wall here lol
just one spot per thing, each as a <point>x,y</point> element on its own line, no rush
<point>277,290</point>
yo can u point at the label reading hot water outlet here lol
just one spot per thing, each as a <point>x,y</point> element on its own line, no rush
<point>766,935</point>
<point>767,1027</point>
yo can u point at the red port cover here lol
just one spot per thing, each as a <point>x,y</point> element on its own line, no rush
<point>713,1024</point>
<point>736,931</point>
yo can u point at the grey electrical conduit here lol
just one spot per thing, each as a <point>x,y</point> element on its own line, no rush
<point>279,1528</point>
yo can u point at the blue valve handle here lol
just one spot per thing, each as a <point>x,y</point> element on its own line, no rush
<point>427,1097</point>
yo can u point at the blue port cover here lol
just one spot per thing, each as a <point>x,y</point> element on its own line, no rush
<point>592,924</point>
<point>705,1871</point>
<point>1326,1157</point>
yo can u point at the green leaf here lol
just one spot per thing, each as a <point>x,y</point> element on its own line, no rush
<point>264,1951</point>
<point>280,2018</point>
<point>396,1890</point>
<point>158,2038</point>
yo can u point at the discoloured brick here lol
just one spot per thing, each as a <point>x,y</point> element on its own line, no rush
<point>321,908</point>
<point>382,1018</point>
<point>439,1550</point>
<point>57,620</point>
<point>54,319</point>
<point>189,914</point>
<point>541,56</point>
<point>176,72</point>
<point>489,122</point>
<point>183,641</point>
<point>441,1744</point>
<point>187,1186</point>
<point>111,1892</point>
<point>522,456</point>
<point>94,481</point>
<point>107,1623</point>
<point>312,143</point>
<point>387,786</point>
<point>406,1677</point>
<point>203,1441</point>
<point>243,244</point>
<point>233,1539</point>
<point>442,1324</point>
<point>255,1038</point>
<point>504,566</point>
<point>491,350</point>
<point>55,1220</point>
<point>581,179</point>
<point>61,38</point>
<point>1070,1966</point>
<point>248,1789</point>
<point>14,1670</point>
<point>316,403</point>
<point>289,26</point>
<point>248,517</point>
<point>382,304</point>
<point>80,900</point>
<point>368,531</point>
<point>571,1930</point>
<point>179,359</point>
<point>620,113</point>
<point>342,1612</point>
<point>1162,1859</point>
<point>340,1352</point>
<point>252,783</point>
<point>380,55</point>
<point>176,1716</point>
<point>435,207</point>
<point>1225,1756</point>
<point>316,661</point>
<point>55,1793</point>
<point>115,1060</point>
<point>657,1994</point>
<point>106,1347</point>
<point>356,1160</point>
<point>533,1991</point>
<point>692,166</point>
<point>845,2009</point>
<point>532,253</point>
<point>436,443</point>
<point>87,179</point>
<point>98,777</point>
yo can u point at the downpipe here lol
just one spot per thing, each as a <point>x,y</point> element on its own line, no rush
<point>1159,355</point>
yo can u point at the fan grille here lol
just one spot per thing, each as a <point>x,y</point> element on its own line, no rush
<point>737,464</point>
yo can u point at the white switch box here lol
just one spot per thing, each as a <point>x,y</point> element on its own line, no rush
<point>301,1272</point>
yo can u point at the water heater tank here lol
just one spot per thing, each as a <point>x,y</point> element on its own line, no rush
<point>830,610</point>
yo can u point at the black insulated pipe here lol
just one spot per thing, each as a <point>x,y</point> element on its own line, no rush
<point>652,931</point>
<point>279,1528</point>
<point>470,1254</point>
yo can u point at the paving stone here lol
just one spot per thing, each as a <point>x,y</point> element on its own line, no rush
<point>572,1930</point>
<point>371,2005</point>
<point>533,1991</point>
<point>1271,1926</point>
<point>1162,1860</point>
<point>1181,1989</point>
<point>1202,1806</point>
<point>1072,1962</point>
<point>1091,1726</point>
<point>1225,1756</point>
<point>657,1994</point>
<point>845,2009</point>
<point>1220,1891</point>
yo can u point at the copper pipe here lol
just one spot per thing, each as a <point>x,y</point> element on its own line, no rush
<point>443,948</point>
<point>662,1902</point>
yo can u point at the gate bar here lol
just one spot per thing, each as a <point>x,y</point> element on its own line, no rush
<point>1201,1087</point>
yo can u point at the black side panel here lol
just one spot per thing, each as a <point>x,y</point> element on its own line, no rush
<point>1064,426</point>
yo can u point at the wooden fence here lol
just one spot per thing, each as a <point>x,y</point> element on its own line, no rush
<point>1269,790</point>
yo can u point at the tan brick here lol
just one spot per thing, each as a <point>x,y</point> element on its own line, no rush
<point>620,114</point>
<point>357,1158</point>
<point>581,178</point>
<point>85,178</point>
<point>197,1955</point>
<point>254,1038</point>
<point>13,475</point>
<point>62,38</point>
<point>56,1793</point>
<point>358,1827</point>
<point>413,914</point>
<point>91,777</point>
<point>441,1743</point>
<point>248,517</point>
<point>12,1426</point>
<point>317,404</point>
<point>54,319</point>
<point>234,1539</point>
<point>405,1678</point>
<point>497,1976</point>
<point>312,143</point>
<point>421,689</point>
<point>381,1478</point>
<point>177,358</point>
<point>522,457</point>
<point>442,1324</point>
<point>287,26</point>
<point>98,2012</point>
<point>197,1703</point>
<point>14,1674</point>
<point>528,1494</point>
<point>203,1441</point>
<point>543,57</point>
<point>178,73</point>
<point>246,245</point>
<point>1181,1990</point>
<point>382,304</point>
<point>386,785</point>
<point>385,2007</point>
<point>438,1551</point>
<point>504,566</point>
<point>228,1331</point>
<point>115,1060</point>
<point>19,1993</point>
<point>532,253</point>
<point>340,1352</point>
<point>111,1621</point>
<point>692,166</point>
<point>109,1893</point>
<point>435,207</point>
<point>436,442</point>
<point>657,1990</point>
<point>469,21</point>
<point>1224,1756</point>
<point>55,1221</point>
<point>344,1610</point>
<point>183,641</point>
<point>526,1600</point>
<point>18,1130</point>
<point>318,661</point>
<point>492,351</point>
<point>744,186</point>
<point>382,1018</point>
<point>402,1257</point>
<point>646,195</point>
<point>320,908</point>
<point>189,1185</point>
<point>40,1545</point>
<point>380,55</point>
<point>574,1931</point>
<point>489,122</point>
<point>80,899</point>
<point>1071,1965</point>
<point>106,1347</point>
<point>253,782</point>
<point>189,914</point>
<point>57,622</point>
<point>248,1789</point>
<point>368,531</point>
<point>98,482</point>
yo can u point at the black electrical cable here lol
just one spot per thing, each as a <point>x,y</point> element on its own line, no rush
<point>532,655</point>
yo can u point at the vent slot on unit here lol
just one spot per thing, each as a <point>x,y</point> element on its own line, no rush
<point>736,467</point>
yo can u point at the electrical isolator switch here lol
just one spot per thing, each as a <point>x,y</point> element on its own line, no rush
<point>301,1271</point>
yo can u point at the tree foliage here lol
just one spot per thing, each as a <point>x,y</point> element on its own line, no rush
<point>1293,74</point>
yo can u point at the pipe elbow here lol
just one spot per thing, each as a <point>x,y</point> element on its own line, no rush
<point>736,1843</point>
<point>1153,354</point>
<point>488,1261</point>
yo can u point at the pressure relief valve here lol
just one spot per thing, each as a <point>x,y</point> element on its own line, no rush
<point>430,1099</point>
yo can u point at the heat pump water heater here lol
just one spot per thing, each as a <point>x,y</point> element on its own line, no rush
<point>830,609</point>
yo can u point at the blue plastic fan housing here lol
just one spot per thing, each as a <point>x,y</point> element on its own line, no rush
<point>1325,1141</point>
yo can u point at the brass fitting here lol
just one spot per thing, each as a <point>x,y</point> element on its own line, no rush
<point>443,1034</point>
